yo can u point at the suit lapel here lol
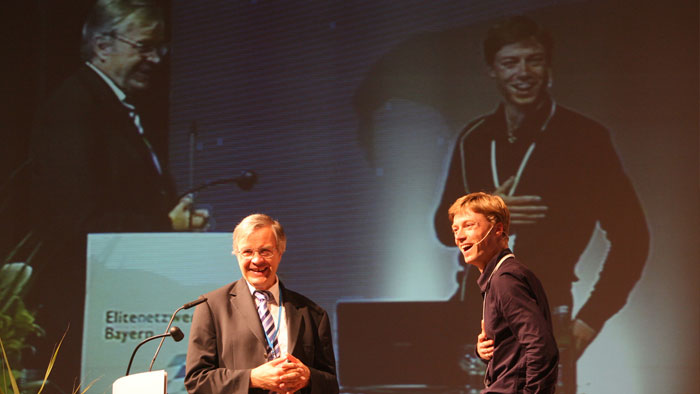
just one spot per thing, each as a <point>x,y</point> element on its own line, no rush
<point>244,305</point>
<point>112,109</point>
<point>117,116</point>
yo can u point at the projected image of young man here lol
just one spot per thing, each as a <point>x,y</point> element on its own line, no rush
<point>254,335</point>
<point>561,177</point>
<point>96,167</point>
<point>516,339</point>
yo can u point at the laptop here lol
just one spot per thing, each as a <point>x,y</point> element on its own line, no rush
<point>424,344</point>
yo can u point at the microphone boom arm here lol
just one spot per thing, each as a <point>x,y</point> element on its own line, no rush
<point>131,360</point>
<point>167,329</point>
<point>245,181</point>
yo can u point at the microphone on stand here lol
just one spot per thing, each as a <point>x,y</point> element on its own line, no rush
<point>174,332</point>
<point>245,181</point>
<point>168,329</point>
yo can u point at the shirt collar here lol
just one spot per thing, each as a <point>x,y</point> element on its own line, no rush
<point>120,93</point>
<point>275,290</point>
<point>535,122</point>
<point>483,280</point>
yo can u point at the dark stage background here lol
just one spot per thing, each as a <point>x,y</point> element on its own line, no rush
<point>273,87</point>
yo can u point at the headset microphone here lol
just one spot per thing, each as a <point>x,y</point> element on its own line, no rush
<point>482,239</point>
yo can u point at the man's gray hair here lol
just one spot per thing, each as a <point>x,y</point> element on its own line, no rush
<point>255,221</point>
<point>107,15</point>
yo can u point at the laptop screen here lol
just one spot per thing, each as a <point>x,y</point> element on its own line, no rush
<point>394,344</point>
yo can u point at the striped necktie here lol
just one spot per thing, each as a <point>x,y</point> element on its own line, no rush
<point>137,122</point>
<point>268,324</point>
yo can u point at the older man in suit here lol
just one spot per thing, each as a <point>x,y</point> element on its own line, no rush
<point>254,335</point>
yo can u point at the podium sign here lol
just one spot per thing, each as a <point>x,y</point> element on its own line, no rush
<point>134,283</point>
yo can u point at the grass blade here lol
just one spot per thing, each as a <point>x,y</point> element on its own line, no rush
<point>9,369</point>
<point>52,361</point>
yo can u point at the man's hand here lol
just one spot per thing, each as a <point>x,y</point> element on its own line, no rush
<point>582,334</point>
<point>267,376</point>
<point>484,346</point>
<point>523,209</point>
<point>296,375</point>
<point>283,375</point>
<point>183,218</point>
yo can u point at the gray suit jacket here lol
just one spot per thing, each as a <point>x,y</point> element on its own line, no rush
<point>227,341</point>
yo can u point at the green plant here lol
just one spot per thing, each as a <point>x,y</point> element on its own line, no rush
<point>8,375</point>
<point>16,321</point>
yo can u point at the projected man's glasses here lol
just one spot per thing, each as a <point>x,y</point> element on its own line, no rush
<point>143,48</point>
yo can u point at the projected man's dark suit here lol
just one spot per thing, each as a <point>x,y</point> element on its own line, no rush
<point>92,172</point>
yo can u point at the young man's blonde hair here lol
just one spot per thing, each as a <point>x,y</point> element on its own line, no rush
<point>489,205</point>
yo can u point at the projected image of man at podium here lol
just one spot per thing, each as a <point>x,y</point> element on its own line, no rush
<point>255,335</point>
<point>97,166</point>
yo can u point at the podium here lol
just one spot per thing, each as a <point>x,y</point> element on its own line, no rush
<point>153,382</point>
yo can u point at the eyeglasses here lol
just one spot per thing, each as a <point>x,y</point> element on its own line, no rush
<point>143,48</point>
<point>250,253</point>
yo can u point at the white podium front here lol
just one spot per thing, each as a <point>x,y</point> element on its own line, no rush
<point>153,382</point>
